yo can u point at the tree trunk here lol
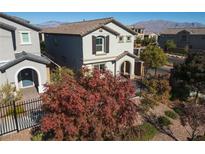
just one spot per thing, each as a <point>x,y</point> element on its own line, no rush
<point>196,97</point>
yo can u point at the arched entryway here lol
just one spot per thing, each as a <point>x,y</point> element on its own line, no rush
<point>28,77</point>
<point>125,69</point>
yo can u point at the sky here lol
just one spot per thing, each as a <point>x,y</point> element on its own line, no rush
<point>124,17</point>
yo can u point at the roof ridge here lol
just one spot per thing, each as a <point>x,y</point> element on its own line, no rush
<point>75,22</point>
<point>188,28</point>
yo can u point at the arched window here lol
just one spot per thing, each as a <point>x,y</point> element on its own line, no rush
<point>100,44</point>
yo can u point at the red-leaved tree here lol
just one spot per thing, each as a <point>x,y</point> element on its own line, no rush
<point>93,106</point>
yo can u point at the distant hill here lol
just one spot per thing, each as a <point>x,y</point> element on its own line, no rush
<point>158,26</point>
<point>49,24</point>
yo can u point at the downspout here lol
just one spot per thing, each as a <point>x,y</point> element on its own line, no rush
<point>115,69</point>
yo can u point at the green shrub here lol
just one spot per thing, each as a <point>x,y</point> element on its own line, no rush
<point>37,137</point>
<point>144,132</point>
<point>170,114</point>
<point>178,110</point>
<point>147,132</point>
<point>19,110</point>
<point>138,94</point>
<point>164,121</point>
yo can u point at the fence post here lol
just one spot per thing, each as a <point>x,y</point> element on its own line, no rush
<point>15,116</point>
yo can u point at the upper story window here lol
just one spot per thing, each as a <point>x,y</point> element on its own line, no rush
<point>184,38</point>
<point>100,44</point>
<point>121,39</point>
<point>128,38</point>
<point>25,37</point>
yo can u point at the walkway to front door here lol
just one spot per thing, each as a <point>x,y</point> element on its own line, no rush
<point>29,93</point>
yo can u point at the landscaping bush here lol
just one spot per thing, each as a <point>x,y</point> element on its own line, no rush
<point>200,138</point>
<point>170,114</point>
<point>178,110</point>
<point>37,137</point>
<point>19,110</point>
<point>144,132</point>
<point>164,121</point>
<point>147,132</point>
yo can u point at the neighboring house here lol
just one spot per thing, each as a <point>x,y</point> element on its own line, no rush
<point>139,30</point>
<point>142,34</point>
<point>101,43</point>
<point>21,63</point>
<point>186,38</point>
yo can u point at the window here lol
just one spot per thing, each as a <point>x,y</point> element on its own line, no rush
<point>121,39</point>
<point>137,52</point>
<point>100,42</point>
<point>25,38</point>
<point>100,66</point>
<point>183,38</point>
<point>128,38</point>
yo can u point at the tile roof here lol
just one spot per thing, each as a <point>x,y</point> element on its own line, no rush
<point>136,26</point>
<point>85,27</point>
<point>20,21</point>
<point>126,53</point>
<point>24,56</point>
<point>194,31</point>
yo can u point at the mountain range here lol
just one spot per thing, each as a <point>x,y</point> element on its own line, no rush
<point>158,26</point>
<point>155,26</point>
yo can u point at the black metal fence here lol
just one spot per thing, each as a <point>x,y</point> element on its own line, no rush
<point>16,116</point>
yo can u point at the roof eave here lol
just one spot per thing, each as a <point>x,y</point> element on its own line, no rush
<point>19,22</point>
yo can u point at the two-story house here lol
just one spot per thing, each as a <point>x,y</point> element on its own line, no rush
<point>192,39</point>
<point>101,43</point>
<point>21,63</point>
<point>142,34</point>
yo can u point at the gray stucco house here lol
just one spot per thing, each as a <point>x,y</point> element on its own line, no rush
<point>101,43</point>
<point>192,39</point>
<point>21,63</point>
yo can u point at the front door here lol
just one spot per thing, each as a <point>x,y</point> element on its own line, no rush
<point>27,78</point>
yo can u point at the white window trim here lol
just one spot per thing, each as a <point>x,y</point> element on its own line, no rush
<point>121,41</point>
<point>29,36</point>
<point>98,64</point>
<point>103,46</point>
<point>130,38</point>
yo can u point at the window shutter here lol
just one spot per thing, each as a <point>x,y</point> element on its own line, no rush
<point>94,45</point>
<point>107,44</point>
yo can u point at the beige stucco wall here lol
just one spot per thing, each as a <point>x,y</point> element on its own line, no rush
<point>34,47</point>
<point>11,73</point>
<point>115,48</point>
<point>6,45</point>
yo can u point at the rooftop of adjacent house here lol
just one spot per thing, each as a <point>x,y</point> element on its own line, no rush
<point>136,26</point>
<point>194,31</point>
<point>83,28</point>
<point>19,57</point>
<point>20,21</point>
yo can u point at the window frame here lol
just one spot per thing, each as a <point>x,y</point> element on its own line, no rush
<point>121,41</point>
<point>103,45</point>
<point>29,37</point>
<point>98,66</point>
<point>130,40</point>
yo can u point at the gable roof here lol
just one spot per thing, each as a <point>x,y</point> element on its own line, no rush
<point>24,56</point>
<point>6,26</point>
<point>126,53</point>
<point>85,27</point>
<point>20,21</point>
<point>194,31</point>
